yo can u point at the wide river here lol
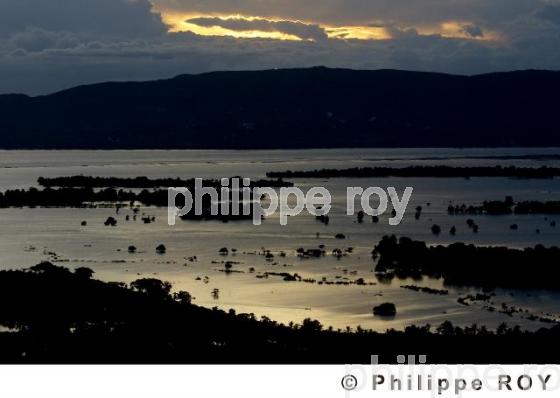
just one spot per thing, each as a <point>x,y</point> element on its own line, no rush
<point>29,236</point>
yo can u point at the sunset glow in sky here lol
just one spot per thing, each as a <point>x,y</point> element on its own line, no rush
<point>219,25</point>
<point>183,23</point>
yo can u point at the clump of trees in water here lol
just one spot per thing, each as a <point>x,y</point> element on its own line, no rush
<point>423,171</point>
<point>463,264</point>
<point>385,310</point>
<point>51,314</point>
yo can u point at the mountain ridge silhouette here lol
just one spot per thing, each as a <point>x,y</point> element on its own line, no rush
<point>291,109</point>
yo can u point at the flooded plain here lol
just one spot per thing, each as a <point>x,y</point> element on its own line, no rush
<point>327,290</point>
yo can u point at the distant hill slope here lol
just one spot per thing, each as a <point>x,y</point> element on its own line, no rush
<point>294,108</point>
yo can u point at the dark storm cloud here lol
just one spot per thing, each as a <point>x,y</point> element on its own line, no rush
<point>37,39</point>
<point>47,45</point>
<point>295,28</point>
<point>550,12</point>
<point>473,30</point>
<point>104,18</point>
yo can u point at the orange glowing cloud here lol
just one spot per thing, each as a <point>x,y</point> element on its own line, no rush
<point>244,26</point>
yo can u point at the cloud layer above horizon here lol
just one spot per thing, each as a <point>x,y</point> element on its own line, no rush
<point>47,46</point>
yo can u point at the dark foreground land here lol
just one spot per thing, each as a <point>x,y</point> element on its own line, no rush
<point>53,315</point>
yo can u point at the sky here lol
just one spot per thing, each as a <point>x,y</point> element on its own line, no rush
<point>49,45</point>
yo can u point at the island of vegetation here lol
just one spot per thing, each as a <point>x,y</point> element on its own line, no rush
<point>145,182</point>
<point>423,171</point>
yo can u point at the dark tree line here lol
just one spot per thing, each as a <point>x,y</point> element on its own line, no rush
<point>75,197</point>
<point>505,207</point>
<point>88,197</point>
<point>423,171</point>
<point>143,182</point>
